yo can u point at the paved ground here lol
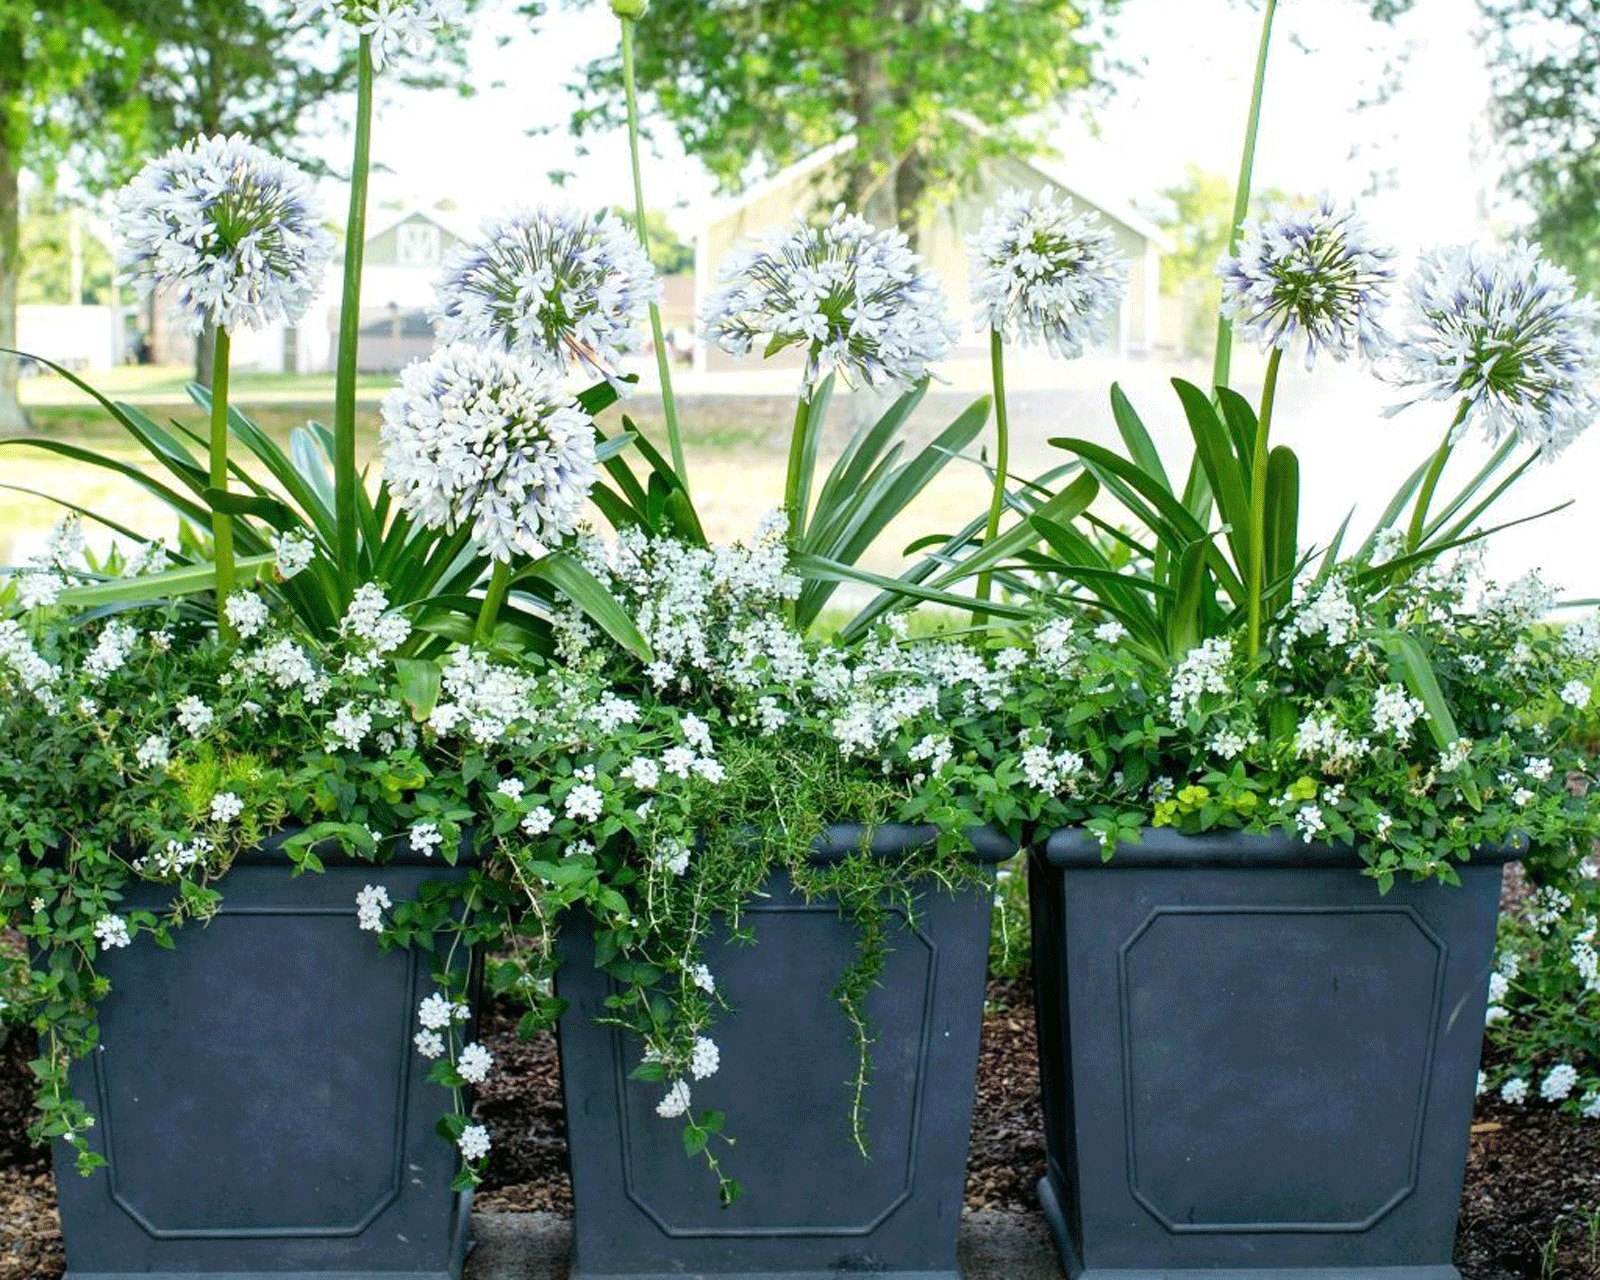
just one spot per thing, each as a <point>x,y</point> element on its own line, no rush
<point>533,1246</point>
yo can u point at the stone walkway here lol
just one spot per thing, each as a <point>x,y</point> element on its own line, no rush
<point>533,1246</point>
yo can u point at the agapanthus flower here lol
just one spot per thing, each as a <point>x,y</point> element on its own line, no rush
<point>555,285</point>
<point>858,299</point>
<point>1315,274</point>
<point>396,26</point>
<point>234,232</point>
<point>1042,272</point>
<point>1504,333</point>
<point>477,437</point>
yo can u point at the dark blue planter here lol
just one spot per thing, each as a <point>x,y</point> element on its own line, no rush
<point>812,1207</point>
<point>1253,1064</point>
<point>258,1097</point>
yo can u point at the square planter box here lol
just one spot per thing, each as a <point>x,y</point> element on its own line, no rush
<point>812,1209</point>
<point>1254,1065</point>
<point>258,1098</point>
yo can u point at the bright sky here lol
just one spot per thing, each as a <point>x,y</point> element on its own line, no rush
<point>1186,104</point>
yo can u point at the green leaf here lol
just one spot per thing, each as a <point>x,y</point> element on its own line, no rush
<point>1409,657</point>
<point>1141,448</point>
<point>586,591</point>
<point>419,685</point>
<point>271,510</point>
<point>164,585</point>
<point>1281,541</point>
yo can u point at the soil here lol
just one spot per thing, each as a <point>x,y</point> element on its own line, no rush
<point>1531,1209</point>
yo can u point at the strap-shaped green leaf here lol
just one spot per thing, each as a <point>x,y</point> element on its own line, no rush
<point>166,585</point>
<point>586,591</point>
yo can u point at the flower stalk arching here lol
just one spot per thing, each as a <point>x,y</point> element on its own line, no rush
<point>1002,460</point>
<point>221,521</point>
<point>1254,587</point>
<point>346,477</point>
<point>1222,365</point>
<point>669,404</point>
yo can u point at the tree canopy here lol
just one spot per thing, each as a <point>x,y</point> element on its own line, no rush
<point>751,86</point>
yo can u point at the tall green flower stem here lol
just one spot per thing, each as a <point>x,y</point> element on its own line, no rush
<point>1258,499</point>
<point>669,403</point>
<point>1222,366</point>
<point>493,600</point>
<point>1430,482</point>
<point>344,396</point>
<point>221,522</point>
<point>1002,460</point>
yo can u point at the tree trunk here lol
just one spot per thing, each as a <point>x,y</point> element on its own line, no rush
<point>871,186</point>
<point>910,185</point>
<point>12,416</point>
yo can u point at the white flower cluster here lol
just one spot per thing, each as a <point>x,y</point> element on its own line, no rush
<point>1050,772</point>
<point>1204,670</point>
<point>676,1101</point>
<point>395,27</point>
<point>234,233</point>
<point>111,932</point>
<point>474,1142</point>
<point>1315,274</point>
<point>1323,739</point>
<point>437,1014</point>
<point>856,298</point>
<point>1330,614</point>
<point>1042,272</point>
<point>490,700</point>
<point>292,552</point>
<point>1395,712</point>
<point>1503,333</point>
<point>111,650</point>
<point>247,613</point>
<point>556,286</point>
<point>480,438</point>
<point>474,1063</point>
<point>33,673</point>
<point>371,903</point>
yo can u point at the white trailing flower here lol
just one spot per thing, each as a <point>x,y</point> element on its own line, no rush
<point>1395,712</point>
<point>349,727</point>
<point>39,590</point>
<point>111,651</point>
<point>437,1011</point>
<point>292,552</point>
<point>1576,694</point>
<point>557,286</point>
<point>368,618</point>
<point>1505,333</point>
<point>706,1058</point>
<point>474,1063</point>
<point>856,298</point>
<point>1204,670</point>
<point>1514,1091</point>
<point>701,976</point>
<point>225,807</point>
<point>481,438</point>
<point>395,26</point>
<point>231,231</point>
<point>1314,274</point>
<point>430,1044</point>
<point>676,1102</point>
<point>111,932</point>
<point>1559,1083</point>
<point>425,837</point>
<point>1043,272</point>
<point>247,612</point>
<point>155,752</point>
<point>371,903</point>
<point>34,673</point>
<point>474,1142</point>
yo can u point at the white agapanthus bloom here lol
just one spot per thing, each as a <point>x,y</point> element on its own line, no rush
<point>395,26</point>
<point>480,438</point>
<point>229,230</point>
<point>111,932</point>
<point>1505,333</point>
<point>474,1063</point>
<point>474,1142</point>
<point>1043,272</point>
<point>557,286</point>
<point>857,299</point>
<point>371,903</point>
<point>1314,274</point>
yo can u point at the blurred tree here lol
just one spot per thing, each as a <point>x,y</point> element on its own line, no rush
<point>751,86</point>
<point>1545,60</point>
<point>670,253</point>
<point>66,69</point>
<point>63,261</point>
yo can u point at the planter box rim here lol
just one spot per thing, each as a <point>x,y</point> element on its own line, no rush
<point>1078,848</point>
<point>893,839</point>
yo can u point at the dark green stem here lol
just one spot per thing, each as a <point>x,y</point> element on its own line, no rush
<point>344,397</point>
<point>669,404</point>
<point>1258,498</point>
<point>1430,483</point>
<point>493,600</point>
<point>1222,367</point>
<point>1002,459</point>
<point>221,523</point>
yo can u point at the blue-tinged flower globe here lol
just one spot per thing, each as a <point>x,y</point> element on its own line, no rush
<point>857,298</point>
<point>233,232</point>
<point>556,286</point>
<point>474,437</point>
<point>1315,274</point>
<point>395,26</point>
<point>1505,334</point>
<point>1042,272</point>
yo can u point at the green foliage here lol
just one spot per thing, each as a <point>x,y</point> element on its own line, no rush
<point>47,236</point>
<point>670,253</point>
<point>1010,927</point>
<point>1545,60</point>
<point>769,83</point>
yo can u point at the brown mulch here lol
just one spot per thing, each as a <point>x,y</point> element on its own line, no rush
<point>1531,1209</point>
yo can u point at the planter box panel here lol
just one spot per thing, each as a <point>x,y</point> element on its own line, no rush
<point>812,1206</point>
<point>258,1097</point>
<point>1267,1068</point>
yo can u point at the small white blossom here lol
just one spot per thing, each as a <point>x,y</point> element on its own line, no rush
<point>643,772</point>
<point>425,838</point>
<point>111,650</point>
<point>538,820</point>
<point>39,590</point>
<point>584,802</point>
<point>1576,694</point>
<point>437,1011</point>
<point>1589,1108</point>
<point>1514,1091</point>
<point>700,975</point>
<point>705,1059</point>
<point>673,855</point>
<point>225,807</point>
<point>676,1102</point>
<point>1394,712</point>
<point>371,903</point>
<point>430,1044</point>
<point>474,1142</point>
<point>155,752</point>
<point>512,788</point>
<point>111,932</point>
<point>292,552</point>
<point>1309,822</point>
<point>1204,670</point>
<point>474,1063</point>
<point>1559,1083</point>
